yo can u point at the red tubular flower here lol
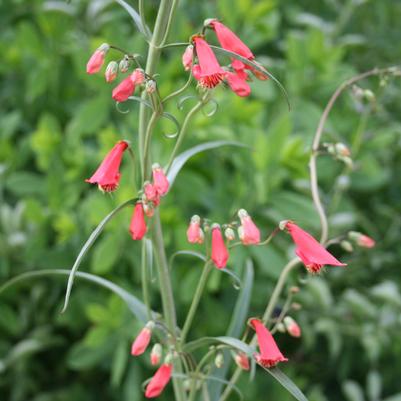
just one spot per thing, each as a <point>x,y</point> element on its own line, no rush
<point>292,327</point>
<point>160,181</point>
<point>138,225</point>
<point>97,59</point>
<point>107,176</point>
<point>269,355</point>
<point>248,232</point>
<point>208,72</point>
<point>194,233</point>
<point>313,255</point>
<point>159,381</point>
<point>219,251</point>
<point>150,191</point>
<point>187,57</point>
<point>142,340</point>
<point>242,360</point>
<point>237,84</point>
<point>127,87</point>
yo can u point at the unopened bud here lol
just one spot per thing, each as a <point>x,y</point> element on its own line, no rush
<point>292,327</point>
<point>229,234</point>
<point>111,71</point>
<point>148,209</point>
<point>156,354</point>
<point>294,289</point>
<point>242,360</point>
<point>342,150</point>
<point>150,86</point>
<point>280,327</point>
<point>219,360</point>
<point>124,64</point>
<point>361,240</point>
<point>296,306</point>
<point>187,57</point>
<point>346,245</point>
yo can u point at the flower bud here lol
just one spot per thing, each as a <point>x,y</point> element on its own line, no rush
<point>294,290</point>
<point>292,327</point>
<point>194,232</point>
<point>280,327</point>
<point>296,306</point>
<point>219,360</point>
<point>187,57</point>
<point>150,191</point>
<point>97,59</point>
<point>361,240</point>
<point>148,209</point>
<point>138,76</point>
<point>346,245</point>
<point>156,354</point>
<point>341,149</point>
<point>242,360</point>
<point>248,232</point>
<point>150,86</point>
<point>142,340</point>
<point>111,71</point>
<point>160,180</point>
<point>229,234</point>
<point>124,64</point>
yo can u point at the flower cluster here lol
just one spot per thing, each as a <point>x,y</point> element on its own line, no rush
<point>201,60</point>
<point>248,233</point>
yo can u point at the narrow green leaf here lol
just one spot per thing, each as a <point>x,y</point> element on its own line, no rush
<point>256,67</point>
<point>230,341</point>
<point>136,18</point>
<point>182,158</point>
<point>92,238</point>
<point>132,302</point>
<point>287,383</point>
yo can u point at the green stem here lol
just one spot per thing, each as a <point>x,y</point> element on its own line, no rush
<point>195,301</point>
<point>183,131</point>
<point>145,279</point>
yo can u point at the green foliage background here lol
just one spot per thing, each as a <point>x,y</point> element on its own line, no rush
<point>56,123</point>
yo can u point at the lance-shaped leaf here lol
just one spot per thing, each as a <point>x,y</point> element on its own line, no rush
<point>92,238</point>
<point>132,302</point>
<point>182,158</point>
<point>136,18</point>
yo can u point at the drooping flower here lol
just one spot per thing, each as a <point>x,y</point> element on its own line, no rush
<point>362,240</point>
<point>208,71</point>
<point>230,41</point>
<point>111,71</point>
<point>219,250</point>
<point>292,327</point>
<point>194,232</point>
<point>248,232</point>
<point>160,181</point>
<point>142,340</point>
<point>156,354</point>
<point>313,255</point>
<point>97,59</point>
<point>237,84</point>
<point>138,225</point>
<point>107,176</point>
<point>269,355</point>
<point>187,57</point>
<point>127,86</point>
<point>242,360</point>
<point>159,381</point>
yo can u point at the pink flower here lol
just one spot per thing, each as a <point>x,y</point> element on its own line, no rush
<point>159,381</point>
<point>150,191</point>
<point>160,181</point>
<point>107,176</point>
<point>292,327</point>
<point>237,84</point>
<point>142,340</point>
<point>231,42</point>
<point>127,86</point>
<point>242,360</point>
<point>313,255</point>
<point>208,72</point>
<point>156,354</point>
<point>219,251</point>
<point>138,225</point>
<point>97,59</point>
<point>248,232</point>
<point>194,233</point>
<point>269,355</point>
<point>187,57</point>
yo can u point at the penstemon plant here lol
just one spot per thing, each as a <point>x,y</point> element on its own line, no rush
<point>193,364</point>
